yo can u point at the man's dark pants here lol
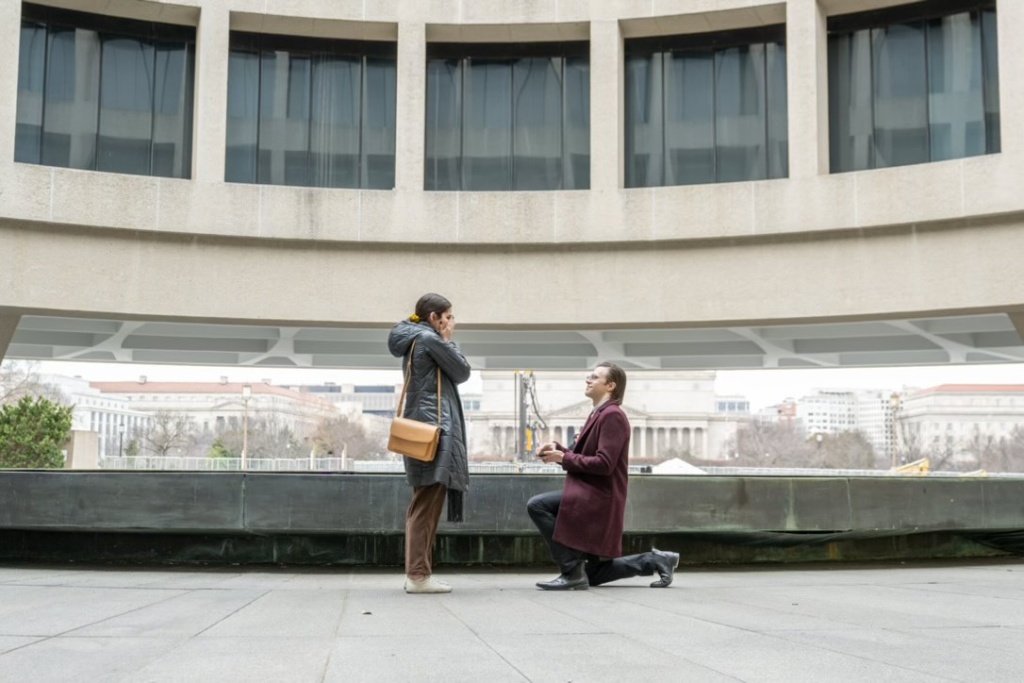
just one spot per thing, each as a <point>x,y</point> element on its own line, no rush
<point>543,509</point>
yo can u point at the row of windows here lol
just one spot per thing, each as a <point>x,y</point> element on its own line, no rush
<point>907,85</point>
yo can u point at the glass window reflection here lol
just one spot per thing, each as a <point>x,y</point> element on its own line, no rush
<point>706,108</point>
<point>31,77</point>
<point>508,117</point>
<point>907,88</point>
<point>444,125</point>
<point>314,113</point>
<point>102,93</point>
<point>487,124</point>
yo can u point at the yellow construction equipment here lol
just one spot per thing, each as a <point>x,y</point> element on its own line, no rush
<point>917,467</point>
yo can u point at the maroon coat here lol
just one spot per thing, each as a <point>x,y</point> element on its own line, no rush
<point>590,516</point>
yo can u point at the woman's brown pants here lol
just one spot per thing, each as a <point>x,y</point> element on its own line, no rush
<point>421,522</point>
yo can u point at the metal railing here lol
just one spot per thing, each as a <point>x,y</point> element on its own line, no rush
<point>153,462</point>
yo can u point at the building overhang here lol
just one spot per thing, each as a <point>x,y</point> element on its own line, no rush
<point>965,339</point>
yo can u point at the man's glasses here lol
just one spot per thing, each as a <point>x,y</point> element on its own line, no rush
<point>593,378</point>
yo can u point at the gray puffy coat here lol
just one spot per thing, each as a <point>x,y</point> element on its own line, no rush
<point>451,466</point>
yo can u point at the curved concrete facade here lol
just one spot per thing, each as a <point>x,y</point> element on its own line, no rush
<point>929,240</point>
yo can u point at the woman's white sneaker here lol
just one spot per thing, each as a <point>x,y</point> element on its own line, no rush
<point>426,585</point>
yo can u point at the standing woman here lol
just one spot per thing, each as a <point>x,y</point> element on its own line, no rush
<point>431,328</point>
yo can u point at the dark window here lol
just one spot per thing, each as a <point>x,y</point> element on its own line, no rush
<point>106,94</point>
<point>311,112</point>
<point>913,84</point>
<point>508,117</point>
<point>706,108</point>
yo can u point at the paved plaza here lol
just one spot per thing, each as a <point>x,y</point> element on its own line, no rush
<point>885,622</point>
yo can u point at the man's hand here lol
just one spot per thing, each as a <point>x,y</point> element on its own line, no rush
<point>550,456</point>
<point>547,446</point>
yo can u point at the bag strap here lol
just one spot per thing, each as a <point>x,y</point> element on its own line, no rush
<point>405,387</point>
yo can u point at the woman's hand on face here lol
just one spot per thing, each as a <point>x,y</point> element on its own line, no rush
<point>447,328</point>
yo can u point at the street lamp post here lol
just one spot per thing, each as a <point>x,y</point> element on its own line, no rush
<point>819,437</point>
<point>246,395</point>
<point>120,439</point>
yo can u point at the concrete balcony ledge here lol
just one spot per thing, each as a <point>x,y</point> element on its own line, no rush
<point>918,195</point>
<point>359,518</point>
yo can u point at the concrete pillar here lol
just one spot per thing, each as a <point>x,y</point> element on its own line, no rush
<point>411,107</point>
<point>8,323</point>
<point>1010,21</point>
<point>607,117</point>
<point>83,451</point>
<point>211,94</point>
<point>10,39</point>
<point>807,79</point>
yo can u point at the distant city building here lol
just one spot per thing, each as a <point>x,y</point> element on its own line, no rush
<point>954,419</point>
<point>784,412</point>
<point>673,413</point>
<point>373,399</point>
<point>732,405</point>
<point>875,412</point>
<point>101,413</point>
<point>216,406</point>
<point>838,410</point>
<point>829,411</point>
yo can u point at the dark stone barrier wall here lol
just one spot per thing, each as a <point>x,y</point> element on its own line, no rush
<point>336,518</point>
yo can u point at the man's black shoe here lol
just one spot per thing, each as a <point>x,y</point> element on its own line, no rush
<point>665,563</point>
<point>576,580</point>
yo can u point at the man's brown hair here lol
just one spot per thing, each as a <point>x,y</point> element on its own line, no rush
<point>618,376</point>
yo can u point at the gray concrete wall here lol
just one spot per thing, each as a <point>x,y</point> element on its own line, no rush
<point>8,323</point>
<point>187,502</point>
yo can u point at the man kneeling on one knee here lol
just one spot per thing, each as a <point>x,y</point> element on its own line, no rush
<point>583,522</point>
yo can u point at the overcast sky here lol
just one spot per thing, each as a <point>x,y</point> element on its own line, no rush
<point>761,387</point>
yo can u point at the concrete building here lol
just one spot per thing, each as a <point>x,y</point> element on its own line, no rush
<point>876,412</point>
<point>112,418</point>
<point>952,420</point>
<point>827,411</point>
<point>673,414</point>
<point>732,405</point>
<point>833,411</point>
<point>785,412</point>
<point>367,399</point>
<point>274,184</point>
<point>217,406</point>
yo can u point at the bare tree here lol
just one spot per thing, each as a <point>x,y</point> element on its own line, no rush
<point>1005,454</point>
<point>910,445</point>
<point>343,434</point>
<point>19,379</point>
<point>781,444</point>
<point>847,451</point>
<point>976,446</point>
<point>770,444</point>
<point>503,442</point>
<point>270,437</point>
<point>165,431</point>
